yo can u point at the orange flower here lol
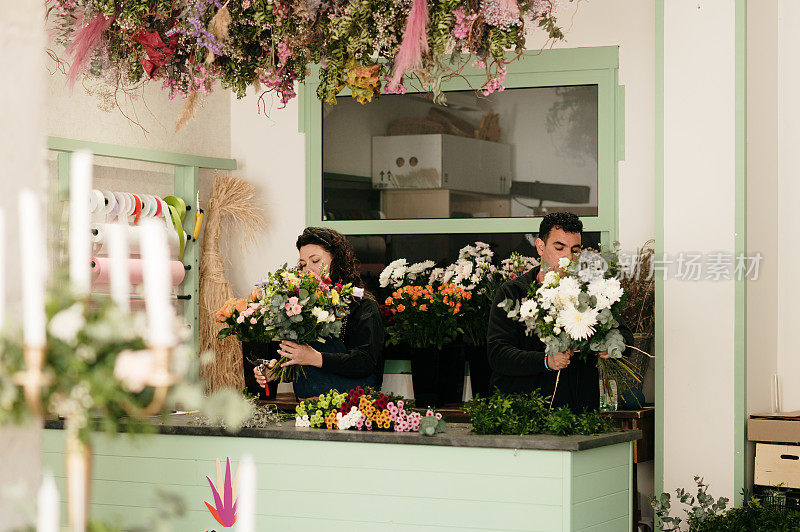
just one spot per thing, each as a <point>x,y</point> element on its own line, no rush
<point>388,301</point>
<point>226,311</point>
<point>255,295</point>
<point>241,304</point>
<point>423,307</point>
<point>400,308</point>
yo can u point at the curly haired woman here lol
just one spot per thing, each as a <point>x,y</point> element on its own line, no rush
<point>354,359</point>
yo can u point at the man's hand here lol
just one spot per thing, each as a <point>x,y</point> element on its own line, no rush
<point>559,361</point>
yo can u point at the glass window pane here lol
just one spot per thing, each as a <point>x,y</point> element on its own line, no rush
<point>518,153</point>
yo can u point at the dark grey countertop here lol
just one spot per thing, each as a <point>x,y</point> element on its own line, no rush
<point>455,435</point>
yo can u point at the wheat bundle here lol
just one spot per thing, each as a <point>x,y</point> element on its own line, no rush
<point>231,199</point>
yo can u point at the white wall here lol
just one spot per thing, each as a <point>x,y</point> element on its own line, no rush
<point>788,190</point>
<point>762,206</point>
<point>21,150</point>
<point>698,179</point>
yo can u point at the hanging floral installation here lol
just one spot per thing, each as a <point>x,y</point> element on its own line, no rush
<point>367,46</point>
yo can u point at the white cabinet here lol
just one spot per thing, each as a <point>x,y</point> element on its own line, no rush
<point>441,161</point>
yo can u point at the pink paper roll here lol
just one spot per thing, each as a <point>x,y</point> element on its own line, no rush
<point>101,267</point>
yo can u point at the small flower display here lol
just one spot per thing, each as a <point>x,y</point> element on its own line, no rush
<point>289,304</point>
<point>362,409</point>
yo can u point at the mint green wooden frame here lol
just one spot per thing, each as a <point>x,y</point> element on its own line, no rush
<point>545,68</point>
<point>186,172</point>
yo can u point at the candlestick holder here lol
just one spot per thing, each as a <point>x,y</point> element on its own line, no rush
<point>33,379</point>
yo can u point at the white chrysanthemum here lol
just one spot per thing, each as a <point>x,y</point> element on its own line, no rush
<point>568,289</point>
<point>578,325</point>
<point>448,274</point>
<point>388,273</point>
<point>563,262</point>
<point>420,267</point>
<point>436,275</point>
<point>607,292</point>
<point>550,278</point>
<point>527,309</point>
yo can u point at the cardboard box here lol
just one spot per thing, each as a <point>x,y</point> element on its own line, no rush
<point>777,465</point>
<point>783,427</point>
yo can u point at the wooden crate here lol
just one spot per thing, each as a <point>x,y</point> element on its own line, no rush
<point>777,465</point>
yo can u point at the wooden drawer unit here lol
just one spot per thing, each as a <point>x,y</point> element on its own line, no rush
<point>777,465</point>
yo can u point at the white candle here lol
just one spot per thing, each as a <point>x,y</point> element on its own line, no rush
<point>2,268</point>
<point>48,507</point>
<point>80,187</point>
<point>32,254</point>
<point>248,483</point>
<point>117,240</point>
<point>157,284</point>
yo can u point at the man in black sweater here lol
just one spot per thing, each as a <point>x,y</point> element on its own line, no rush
<point>519,363</point>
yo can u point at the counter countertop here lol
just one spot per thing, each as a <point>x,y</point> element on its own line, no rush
<point>455,435</point>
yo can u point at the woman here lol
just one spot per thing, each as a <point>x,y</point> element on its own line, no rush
<point>356,360</point>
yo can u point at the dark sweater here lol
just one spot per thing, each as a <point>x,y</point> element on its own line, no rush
<point>517,360</point>
<point>363,338</point>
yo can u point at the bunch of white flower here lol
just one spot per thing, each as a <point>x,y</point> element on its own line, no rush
<point>322,315</point>
<point>394,274</point>
<point>344,422</point>
<point>419,270</point>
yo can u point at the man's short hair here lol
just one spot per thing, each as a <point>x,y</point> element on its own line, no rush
<point>567,221</point>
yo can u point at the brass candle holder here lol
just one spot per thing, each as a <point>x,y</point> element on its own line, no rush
<point>33,379</point>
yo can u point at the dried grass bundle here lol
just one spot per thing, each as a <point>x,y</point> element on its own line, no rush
<point>640,290</point>
<point>231,199</point>
<point>188,111</point>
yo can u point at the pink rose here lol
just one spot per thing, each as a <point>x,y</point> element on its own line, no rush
<point>253,321</point>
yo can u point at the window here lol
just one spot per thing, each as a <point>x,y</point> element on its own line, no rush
<point>400,165</point>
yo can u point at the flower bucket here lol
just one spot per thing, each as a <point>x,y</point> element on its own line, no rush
<point>480,373</point>
<point>438,375</point>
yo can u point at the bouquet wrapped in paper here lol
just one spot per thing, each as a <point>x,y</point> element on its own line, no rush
<point>289,304</point>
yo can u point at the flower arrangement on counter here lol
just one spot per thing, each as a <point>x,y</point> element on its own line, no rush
<point>365,409</point>
<point>289,304</point>
<point>363,45</point>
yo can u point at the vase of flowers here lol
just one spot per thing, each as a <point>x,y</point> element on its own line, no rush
<point>427,319</point>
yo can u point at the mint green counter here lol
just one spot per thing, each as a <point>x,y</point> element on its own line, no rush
<point>364,482</point>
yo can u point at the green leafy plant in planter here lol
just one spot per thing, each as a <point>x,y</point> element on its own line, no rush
<point>523,414</point>
<point>706,514</point>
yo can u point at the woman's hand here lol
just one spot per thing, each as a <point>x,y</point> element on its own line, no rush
<point>269,377</point>
<point>299,355</point>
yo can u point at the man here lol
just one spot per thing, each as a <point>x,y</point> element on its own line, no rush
<point>518,361</point>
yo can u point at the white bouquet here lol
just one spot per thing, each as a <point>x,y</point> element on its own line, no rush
<point>399,273</point>
<point>575,307</point>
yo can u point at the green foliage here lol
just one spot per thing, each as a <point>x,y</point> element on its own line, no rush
<point>430,425</point>
<point>706,514</point>
<point>529,414</point>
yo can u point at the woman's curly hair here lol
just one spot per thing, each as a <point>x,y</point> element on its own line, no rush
<point>344,267</point>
